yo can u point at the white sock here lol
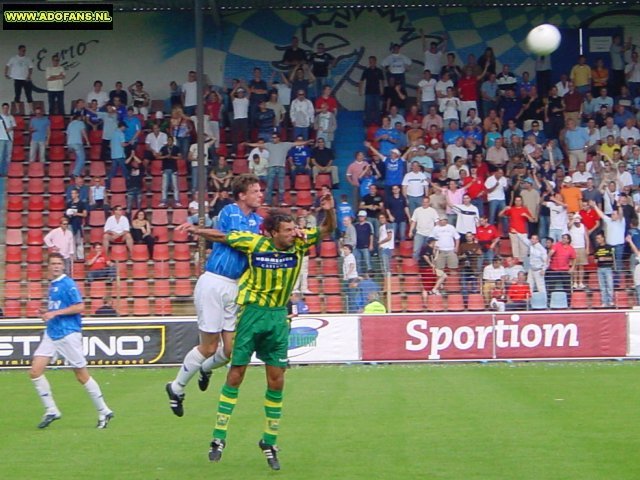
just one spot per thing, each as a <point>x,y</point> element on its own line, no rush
<point>190,366</point>
<point>44,390</point>
<point>217,360</point>
<point>93,389</point>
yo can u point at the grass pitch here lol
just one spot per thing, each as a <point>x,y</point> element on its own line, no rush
<point>521,421</point>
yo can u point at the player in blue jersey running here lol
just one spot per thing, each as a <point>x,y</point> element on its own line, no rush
<point>63,338</point>
<point>216,291</point>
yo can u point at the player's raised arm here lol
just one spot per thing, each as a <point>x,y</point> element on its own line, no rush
<point>210,234</point>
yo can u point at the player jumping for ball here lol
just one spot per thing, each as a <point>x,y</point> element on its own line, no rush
<point>216,291</point>
<point>263,326</point>
<point>63,338</point>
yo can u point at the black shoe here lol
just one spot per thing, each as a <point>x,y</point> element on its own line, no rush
<point>48,419</point>
<point>175,401</point>
<point>271,452</point>
<point>203,380</point>
<point>103,420</point>
<point>215,451</point>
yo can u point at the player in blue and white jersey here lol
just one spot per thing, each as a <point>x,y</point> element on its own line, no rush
<point>63,338</point>
<point>216,291</point>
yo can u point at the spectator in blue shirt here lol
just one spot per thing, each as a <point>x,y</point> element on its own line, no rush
<point>299,157</point>
<point>118,145</point>
<point>39,126</point>
<point>452,133</point>
<point>132,132</point>
<point>386,136</point>
<point>76,138</point>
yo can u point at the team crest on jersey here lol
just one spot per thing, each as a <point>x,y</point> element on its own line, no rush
<point>274,260</point>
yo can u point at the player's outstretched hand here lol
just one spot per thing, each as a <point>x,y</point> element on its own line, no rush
<point>300,233</point>
<point>187,227</point>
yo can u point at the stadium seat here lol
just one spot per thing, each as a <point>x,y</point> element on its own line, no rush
<point>35,237</point>
<point>559,300</point>
<point>79,271</point>
<point>182,251</point>
<point>35,170</point>
<point>156,184</point>
<point>14,220</point>
<point>179,216</point>
<point>13,272</point>
<point>303,182</point>
<point>117,199</point>
<point>56,203</point>
<point>393,283</point>
<point>16,170</point>
<point>162,306</point>
<point>56,185</point>
<point>160,233</point>
<point>159,217</point>
<point>538,301</point>
<point>303,199</point>
<point>161,288</point>
<point>15,203</point>
<point>119,253</point>
<point>140,253</point>
<point>452,283</point>
<point>35,203</point>
<point>409,266</point>
<point>57,138</point>
<point>435,303</point>
<point>330,266</point>
<point>314,303</point>
<point>15,186</point>
<point>35,186</point>
<point>96,167</point>
<point>182,269</point>
<point>19,139</point>
<point>240,166</point>
<point>18,154</point>
<point>455,302</point>
<point>98,289</point>
<point>57,122</point>
<point>328,249</point>
<point>96,234</point>
<point>475,302</point>
<point>140,270</point>
<point>313,268</point>
<point>118,185</point>
<point>13,236</point>
<point>406,248</point>
<point>183,186</point>
<point>57,153</point>
<point>35,271</point>
<point>95,137</point>
<point>140,288</point>
<point>161,253</point>
<point>12,309</point>
<point>56,170</point>
<point>155,168</point>
<point>97,218</point>
<point>183,288</point>
<point>33,308</point>
<point>331,285</point>
<point>121,305</point>
<point>414,303</point>
<point>334,304</point>
<point>621,299</point>
<point>321,180</point>
<point>35,290</point>
<point>578,299</point>
<point>180,236</point>
<point>13,254</point>
<point>13,290</point>
<point>411,283</point>
<point>34,254</point>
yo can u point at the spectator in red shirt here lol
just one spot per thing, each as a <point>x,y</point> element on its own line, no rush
<point>468,91</point>
<point>488,237</point>
<point>562,260</point>
<point>518,216</point>
<point>476,188</point>
<point>590,220</point>
<point>481,165</point>
<point>518,293</point>
<point>326,97</point>
<point>100,267</point>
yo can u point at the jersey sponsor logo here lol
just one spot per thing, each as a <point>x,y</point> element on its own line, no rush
<point>274,260</point>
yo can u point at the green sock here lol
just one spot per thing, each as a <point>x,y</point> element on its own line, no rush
<point>228,399</point>
<point>273,412</point>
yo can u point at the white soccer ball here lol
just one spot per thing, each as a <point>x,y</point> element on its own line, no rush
<point>544,39</point>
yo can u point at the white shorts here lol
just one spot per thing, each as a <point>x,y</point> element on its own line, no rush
<point>215,301</point>
<point>69,347</point>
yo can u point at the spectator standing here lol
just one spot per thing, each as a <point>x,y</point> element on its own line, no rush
<point>434,57</point>
<point>7,126</point>
<point>397,64</point>
<point>537,263</point>
<point>614,234</point>
<point>488,237</point>
<point>170,154</point>
<point>558,218</point>
<point>76,211</point>
<point>491,275</point>
<point>19,69</point>
<point>427,91</point>
<point>423,221</point>
<point>364,242</point>
<point>240,123</point>
<point>321,64</point>
<point>350,279</point>
<point>448,243</point>
<point>325,124</point>
<point>373,204</point>
<point>354,172</point>
<point>371,85</point>
<point>432,277</point>
<point>302,115</point>
<point>398,213</point>
<point>118,145</point>
<point>189,94</point>
<point>40,128</point>
<point>386,243</point>
<point>562,259</point>
<point>60,240</point>
<point>55,86</point>
<point>496,186</point>
<point>134,182</point>
<point>76,139</point>
<point>518,216</point>
<point>580,243</point>
<point>636,269</point>
<point>467,216</point>
<point>518,293</point>
<point>604,255</point>
<point>470,256</point>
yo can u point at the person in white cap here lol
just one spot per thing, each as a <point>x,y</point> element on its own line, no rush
<point>364,242</point>
<point>395,167</point>
<point>580,243</point>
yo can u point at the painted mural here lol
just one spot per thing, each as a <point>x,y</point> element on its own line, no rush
<point>158,48</point>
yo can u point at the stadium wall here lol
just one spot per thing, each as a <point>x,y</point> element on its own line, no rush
<point>158,47</point>
<point>481,336</point>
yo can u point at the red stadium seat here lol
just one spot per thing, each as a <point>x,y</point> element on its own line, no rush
<point>33,308</point>
<point>16,170</point>
<point>156,168</point>
<point>140,270</point>
<point>15,203</point>
<point>314,303</point>
<point>156,184</point>
<point>140,253</point>
<point>97,218</point>
<point>13,272</point>
<point>331,285</point>
<point>19,139</point>
<point>622,299</point>
<point>96,166</point>
<point>579,299</point>
<point>119,253</point>
<point>161,253</point>
<point>20,123</point>
<point>57,203</point>
<point>13,290</point>
<point>12,309</point>
<point>328,249</point>
<point>118,185</point>
<point>414,303</point>
<point>303,182</point>
<point>35,271</point>
<point>98,289</point>
<point>57,170</point>
<point>117,199</point>
<point>322,179</point>
<point>57,138</point>
<point>35,186</point>
<point>15,186</point>
<point>240,166</point>
<point>162,307</point>
<point>179,216</point>
<point>79,271</point>
<point>161,234</point>
<point>476,302</point>
<point>435,303</point>
<point>14,219</point>
<point>121,306</point>
<point>160,269</point>
<point>96,234</point>
<point>35,170</point>
<point>180,236</point>
<point>159,217</point>
<point>334,304</point>
<point>303,199</point>
<point>313,268</point>
<point>182,269</point>
<point>140,288</point>
<point>18,154</point>
<point>57,122</point>
<point>182,252</point>
<point>455,302</point>
<point>409,266</point>
<point>35,203</point>
<point>13,254</point>
<point>95,137</point>
<point>34,254</point>
<point>161,288</point>
<point>330,266</point>
<point>13,236</point>
<point>56,186</point>
<point>57,153</point>
<point>35,290</point>
<point>183,288</point>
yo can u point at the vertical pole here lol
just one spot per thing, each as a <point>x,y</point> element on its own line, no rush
<point>202,174</point>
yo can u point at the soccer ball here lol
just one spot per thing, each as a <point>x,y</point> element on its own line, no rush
<point>544,39</point>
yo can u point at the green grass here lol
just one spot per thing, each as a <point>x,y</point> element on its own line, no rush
<point>518,421</point>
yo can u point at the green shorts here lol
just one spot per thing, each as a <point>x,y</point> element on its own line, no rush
<point>263,330</point>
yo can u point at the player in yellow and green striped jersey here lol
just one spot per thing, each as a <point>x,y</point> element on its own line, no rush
<point>263,327</point>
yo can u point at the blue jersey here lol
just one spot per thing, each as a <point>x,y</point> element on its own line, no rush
<point>394,171</point>
<point>343,210</point>
<point>63,293</point>
<point>223,259</point>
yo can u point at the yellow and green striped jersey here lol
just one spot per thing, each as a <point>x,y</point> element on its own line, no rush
<point>272,273</point>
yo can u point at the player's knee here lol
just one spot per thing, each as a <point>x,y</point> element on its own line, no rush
<point>208,349</point>
<point>34,373</point>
